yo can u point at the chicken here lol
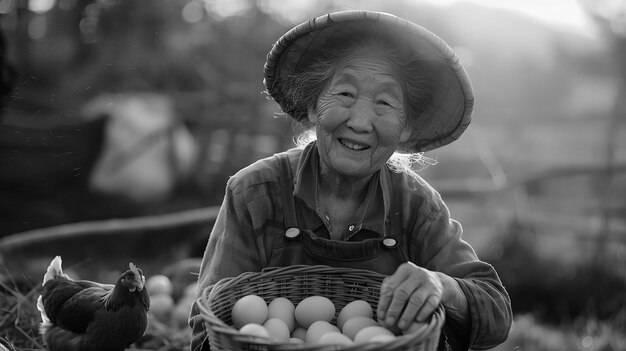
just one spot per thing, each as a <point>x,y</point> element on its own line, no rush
<point>85,315</point>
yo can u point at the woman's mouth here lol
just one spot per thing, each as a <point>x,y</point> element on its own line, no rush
<point>353,146</point>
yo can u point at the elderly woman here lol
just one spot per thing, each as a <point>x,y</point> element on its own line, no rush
<point>377,91</point>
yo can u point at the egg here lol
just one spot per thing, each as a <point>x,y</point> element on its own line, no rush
<point>161,306</point>
<point>356,308</point>
<point>382,338</point>
<point>254,329</point>
<point>190,290</point>
<point>392,327</point>
<point>296,341</point>
<point>299,333</point>
<point>284,310</point>
<point>317,329</point>
<point>249,309</point>
<point>314,308</point>
<point>335,338</point>
<point>354,325</point>
<point>277,329</point>
<point>159,284</point>
<point>367,333</point>
<point>180,313</point>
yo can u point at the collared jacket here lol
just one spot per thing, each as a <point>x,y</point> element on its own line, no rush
<point>249,228</point>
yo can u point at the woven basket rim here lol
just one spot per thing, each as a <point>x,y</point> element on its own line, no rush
<point>218,326</point>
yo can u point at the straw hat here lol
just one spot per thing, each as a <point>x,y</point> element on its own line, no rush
<point>441,123</point>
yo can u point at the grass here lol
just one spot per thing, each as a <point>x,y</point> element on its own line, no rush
<point>20,318</point>
<point>19,323</point>
<point>583,334</point>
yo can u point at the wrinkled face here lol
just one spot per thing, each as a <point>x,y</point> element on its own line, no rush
<point>360,118</point>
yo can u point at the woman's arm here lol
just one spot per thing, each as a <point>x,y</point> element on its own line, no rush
<point>478,308</point>
<point>444,269</point>
<point>231,250</point>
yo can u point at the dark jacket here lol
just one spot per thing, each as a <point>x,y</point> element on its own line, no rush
<point>250,226</point>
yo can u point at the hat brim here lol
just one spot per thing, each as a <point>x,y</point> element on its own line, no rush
<point>441,123</point>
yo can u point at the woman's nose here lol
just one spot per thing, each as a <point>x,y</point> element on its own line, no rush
<point>362,116</point>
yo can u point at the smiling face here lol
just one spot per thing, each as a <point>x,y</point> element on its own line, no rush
<point>360,117</point>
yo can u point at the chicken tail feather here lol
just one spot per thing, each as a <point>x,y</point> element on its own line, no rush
<point>54,271</point>
<point>45,321</point>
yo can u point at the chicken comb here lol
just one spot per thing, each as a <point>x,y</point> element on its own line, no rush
<point>134,269</point>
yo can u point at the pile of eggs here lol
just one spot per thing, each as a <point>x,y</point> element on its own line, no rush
<point>308,322</point>
<point>163,306</point>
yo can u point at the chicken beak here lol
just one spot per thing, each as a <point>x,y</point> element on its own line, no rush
<point>140,282</point>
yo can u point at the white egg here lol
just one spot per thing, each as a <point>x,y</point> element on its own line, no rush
<point>382,338</point>
<point>249,309</point>
<point>299,333</point>
<point>354,325</point>
<point>254,329</point>
<point>314,308</point>
<point>278,329</point>
<point>159,284</point>
<point>356,308</point>
<point>368,333</point>
<point>317,329</point>
<point>283,309</point>
<point>334,338</point>
<point>296,341</point>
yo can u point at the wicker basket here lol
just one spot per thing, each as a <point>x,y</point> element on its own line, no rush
<point>340,285</point>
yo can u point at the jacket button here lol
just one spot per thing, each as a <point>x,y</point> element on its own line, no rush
<point>292,233</point>
<point>390,243</point>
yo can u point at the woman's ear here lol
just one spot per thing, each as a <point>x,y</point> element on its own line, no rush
<point>312,114</point>
<point>405,134</point>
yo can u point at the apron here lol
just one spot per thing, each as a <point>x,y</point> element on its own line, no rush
<point>306,246</point>
<point>311,246</point>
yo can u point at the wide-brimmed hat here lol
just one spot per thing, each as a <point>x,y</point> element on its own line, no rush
<point>442,122</point>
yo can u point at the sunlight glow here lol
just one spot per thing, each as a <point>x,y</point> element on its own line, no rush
<point>289,11</point>
<point>567,13</point>
<point>192,12</point>
<point>226,8</point>
<point>41,6</point>
<point>6,6</point>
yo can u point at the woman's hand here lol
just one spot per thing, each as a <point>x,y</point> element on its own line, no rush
<point>411,294</point>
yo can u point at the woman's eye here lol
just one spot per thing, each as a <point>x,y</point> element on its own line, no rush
<point>346,94</point>
<point>386,104</point>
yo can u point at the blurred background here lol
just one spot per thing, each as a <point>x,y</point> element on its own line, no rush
<point>122,120</point>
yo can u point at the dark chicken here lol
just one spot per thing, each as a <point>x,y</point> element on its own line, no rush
<point>85,315</point>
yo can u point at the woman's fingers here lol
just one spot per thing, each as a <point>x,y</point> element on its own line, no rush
<point>387,290</point>
<point>428,308</point>
<point>412,307</point>
<point>395,291</point>
<point>411,294</point>
<point>402,296</point>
